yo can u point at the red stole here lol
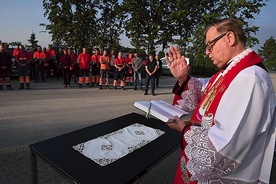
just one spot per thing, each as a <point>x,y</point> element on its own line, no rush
<point>210,100</point>
<point>216,88</point>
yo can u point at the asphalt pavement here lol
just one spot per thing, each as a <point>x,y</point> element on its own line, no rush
<point>48,110</point>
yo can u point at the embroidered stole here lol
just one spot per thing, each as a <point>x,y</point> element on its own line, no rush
<point>215,89</point>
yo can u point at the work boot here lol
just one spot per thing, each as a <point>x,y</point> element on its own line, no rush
<point>1,87</point>
<point>9,87</point>
<point>21,86</point>
<point>28,86</point>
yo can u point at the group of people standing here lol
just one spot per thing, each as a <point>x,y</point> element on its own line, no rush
<point>126,71</point>
<point>89,69</point>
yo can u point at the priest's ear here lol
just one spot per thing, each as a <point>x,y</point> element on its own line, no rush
<point>231,38</point>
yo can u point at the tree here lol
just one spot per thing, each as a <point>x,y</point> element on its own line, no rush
<point>147,23</point>
<point>33,41</point>
<point>244,10</point>
<point>182,22</point>
<point>268,53</point>
<point>72,22</point>
<point>143,24</point>
<point>109,24</point>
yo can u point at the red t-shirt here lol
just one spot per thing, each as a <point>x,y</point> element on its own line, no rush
<point>84,60</point>
<point>52,53</point>
<point>39,55</point>
<point>23,56</point>
<point>119,61</point>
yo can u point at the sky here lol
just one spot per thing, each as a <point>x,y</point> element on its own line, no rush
<point>19,19</point>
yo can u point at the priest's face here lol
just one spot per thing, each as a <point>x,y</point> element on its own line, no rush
<point>217,47</point>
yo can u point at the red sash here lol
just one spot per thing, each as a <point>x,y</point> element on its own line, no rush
<point>221,84</point>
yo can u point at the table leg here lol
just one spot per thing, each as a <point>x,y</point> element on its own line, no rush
<point>34,168</point>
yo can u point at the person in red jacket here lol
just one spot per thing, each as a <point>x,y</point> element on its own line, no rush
<point>51,62</point>
<point>84,60</point>
<point>39,59</point>
<point>96,67</point>
<point>5,67</point>
<point>66,63</point>
<point>119,71</point>
<point>129,70</point>
<point>23,59</point>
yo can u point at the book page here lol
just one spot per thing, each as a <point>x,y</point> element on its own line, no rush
<point>154,111</point>
<point>160,109</point>
<point>174,111</point>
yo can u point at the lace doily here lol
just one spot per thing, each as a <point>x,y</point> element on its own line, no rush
<point>108,148</point>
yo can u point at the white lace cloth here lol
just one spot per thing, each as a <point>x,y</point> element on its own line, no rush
<point>108,148</point>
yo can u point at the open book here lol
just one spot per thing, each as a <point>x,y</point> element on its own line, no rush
<point>160,109</point>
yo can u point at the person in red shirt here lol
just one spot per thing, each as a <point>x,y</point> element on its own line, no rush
<point>119,71</point>
<point>129,70</point>
<point>96,67</point>
<point>51,62</point>
<point>15,51</point>
<point>84,60</point>
<point>104,70</point>
<point>66,63</point>
<point>46,63</point>
<point>23,59</point>
<point>39,59</point>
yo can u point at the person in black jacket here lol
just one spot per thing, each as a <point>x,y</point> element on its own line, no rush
<point>151,69</point>
<point>5,67</point>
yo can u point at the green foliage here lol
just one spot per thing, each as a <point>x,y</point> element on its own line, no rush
<point>147,23</point>
<point>151,52</point>
<point>33,41</point>
<point>84,23</point>
<point>268,53</point>
<point>132,50</point>
<point>109,24</point>
<point>161,54</point>
<point>141,51</point>
<point>203,66</point>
